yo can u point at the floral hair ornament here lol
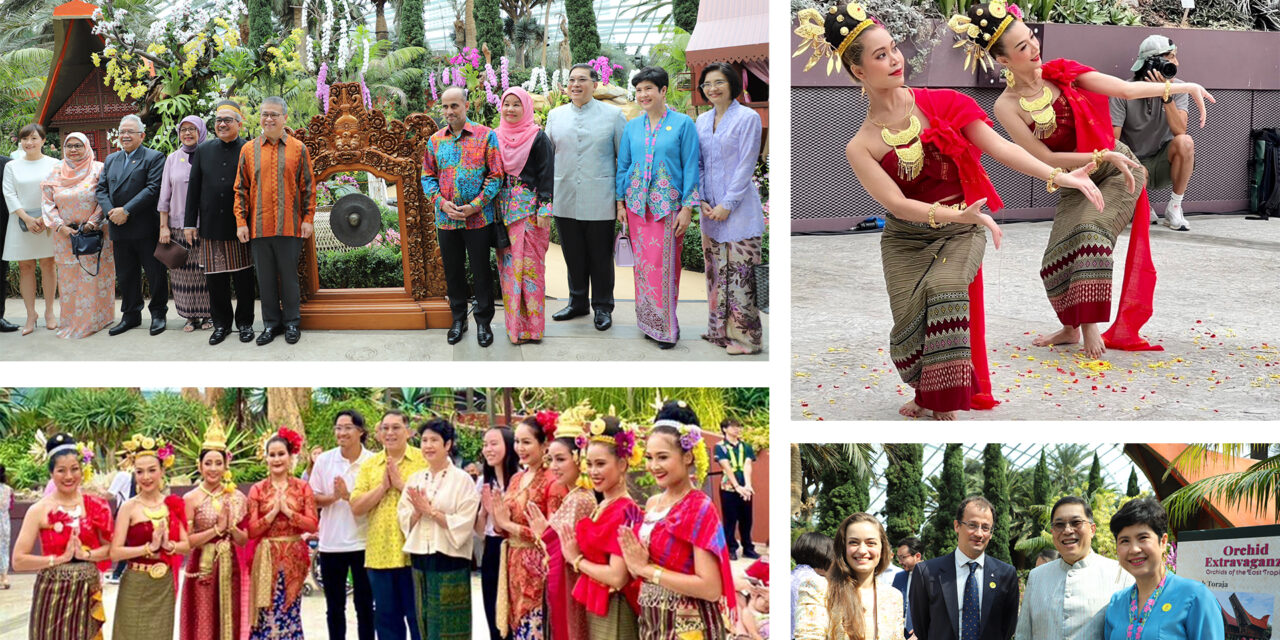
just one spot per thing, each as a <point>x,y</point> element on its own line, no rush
<point>547,420</point>
<point>977,38</point>
<point>813,33</point>
<point>140,445</point>
<point>84,451</point>
<point>293,440</point>
<point>690,440</point>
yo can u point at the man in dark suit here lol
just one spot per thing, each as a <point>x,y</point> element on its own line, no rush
<point>5,325</point>
<point>128,192</point>
<point>908,554</point>
<point>965,595</point>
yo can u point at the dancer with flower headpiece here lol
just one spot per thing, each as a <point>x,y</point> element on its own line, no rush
<point>608,591</point>
<point>918,154</point>
<point>436,512</point>
<point>281,509</point>
<point>216,519</point>
<point>524,572</point>
<point>74,529</point>
<point>1058,111</point>
<point>566,617</point>
<point>678,550</point>
<point>151,534</point>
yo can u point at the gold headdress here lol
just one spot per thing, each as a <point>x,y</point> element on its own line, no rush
<point>813,33</point>
<point>977,38</point>
<point>215,439</point>
<point>141,445</point>
<point>585,426</point>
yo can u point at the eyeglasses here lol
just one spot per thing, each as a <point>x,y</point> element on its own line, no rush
<point>267,115</point>
<point>974,526</point>
<point>1076,525</point>
<point>129,132</point>
<point>224,120</point>
<point>188,130</point>
<point>579,80</point>
<point>73,146</point>
<point>713,85</point>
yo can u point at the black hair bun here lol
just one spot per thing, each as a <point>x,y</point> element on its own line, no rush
<point>841,20</point>
<point>57,441</point>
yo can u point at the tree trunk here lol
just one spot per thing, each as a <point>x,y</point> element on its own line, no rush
<point>192,394</point>
<point>213,396</point>
<point>285,406</point>
<point>797,481</point>
<point>546,33</point>
<point>381,6</point>
<point>471,24</point>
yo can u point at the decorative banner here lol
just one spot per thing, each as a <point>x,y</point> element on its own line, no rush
<point>1241,567</point>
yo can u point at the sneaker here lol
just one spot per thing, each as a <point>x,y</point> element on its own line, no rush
<point>1174,219</point>
<point>1154,219</point>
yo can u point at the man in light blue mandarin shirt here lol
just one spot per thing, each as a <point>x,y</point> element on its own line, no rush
<point>1067,599</point>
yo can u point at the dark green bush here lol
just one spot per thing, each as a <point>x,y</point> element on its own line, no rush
<point>361,268</point>
<point>319,421</point>
<point>166,414</point>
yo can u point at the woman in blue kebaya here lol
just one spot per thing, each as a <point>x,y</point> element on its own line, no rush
<point>657,189</point>
<point>1161,606</point>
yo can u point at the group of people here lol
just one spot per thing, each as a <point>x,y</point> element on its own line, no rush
<point>918,151</point>
<point>566,553</point>
<point>841,588</point>
<point>488,188</point>
<point>588,168</point>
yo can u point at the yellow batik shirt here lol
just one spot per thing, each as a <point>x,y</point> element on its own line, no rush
<point>385,546</point>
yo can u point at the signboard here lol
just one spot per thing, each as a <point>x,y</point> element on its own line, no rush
<point>1241,567</point>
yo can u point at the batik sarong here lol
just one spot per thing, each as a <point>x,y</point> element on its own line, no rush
<point>657,273</point>
<point>522,270</point>
<point>190,292</point>
<point>442,585</point>
<point>732,316</point>
<point>280,621</point>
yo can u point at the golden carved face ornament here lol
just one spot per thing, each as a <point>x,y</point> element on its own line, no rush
<point>346,133</point>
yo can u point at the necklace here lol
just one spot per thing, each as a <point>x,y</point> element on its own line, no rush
<point>595,515</point>
<point>905,143</point>
<point>1041,110</point>
<point>155,514</point>
<point>1137,621</point>
<point>215,499</point>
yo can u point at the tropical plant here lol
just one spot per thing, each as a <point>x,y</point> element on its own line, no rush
<point>242,444</point>
<point>685,14</point>
<point>1066,463</point>
<point>22,79</point>
<point>810,467</point>
<point>647,10</point>
<point>526,35</point>
<point>168,414</point>
<point>950,486</point>
<point>101,416</point>
<point>1255,489</point>
<point>670,55</point>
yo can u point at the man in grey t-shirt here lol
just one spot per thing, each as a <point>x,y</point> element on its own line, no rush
<point>1156,130</point>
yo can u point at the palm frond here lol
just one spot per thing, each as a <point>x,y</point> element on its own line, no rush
<point>1255,489</point>
<point>1196,457</point>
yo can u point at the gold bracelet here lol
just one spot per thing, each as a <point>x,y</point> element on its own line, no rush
<point>1167,86</point>
<point>1049,185</point>
<point>657,577</point>
<point>1098,156</point>
<point>577,561</point>
<point>932,209</point>
<point>51,559</point>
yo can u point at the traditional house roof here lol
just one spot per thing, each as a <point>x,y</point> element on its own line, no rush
<point>729,31</point>
<point>72,68</point>
<point>1244,616</point>
<point>1155,461</point>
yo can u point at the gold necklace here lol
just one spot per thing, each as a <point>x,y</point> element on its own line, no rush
<point>1041,110</point>
<point>155,514</point>
<point>214,498</point>
<point>595,515</point>
<point>910,156</point>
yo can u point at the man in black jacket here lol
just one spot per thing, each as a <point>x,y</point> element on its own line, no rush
<point>966,595</point>
<point>211,217</point>
<point>5,325</point>
<point>128,192</point>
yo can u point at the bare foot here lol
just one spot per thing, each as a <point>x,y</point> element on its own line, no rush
<point>1065,335</point>
<point>1093,345</point>
<point>913,410</point>
<point>944,415</point>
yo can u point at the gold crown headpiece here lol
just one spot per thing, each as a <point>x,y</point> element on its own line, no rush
<point>215,437</point>
<point>976,39</point>
<point>813,33</point>
<point>142,445</point>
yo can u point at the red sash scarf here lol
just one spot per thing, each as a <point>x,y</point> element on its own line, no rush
<point>1094,131</point>
<point>949,112</point>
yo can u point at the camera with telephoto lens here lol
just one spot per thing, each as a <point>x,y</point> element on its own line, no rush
<point>1158,64</point>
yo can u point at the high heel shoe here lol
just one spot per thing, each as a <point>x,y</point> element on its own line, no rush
<point>30,326</point>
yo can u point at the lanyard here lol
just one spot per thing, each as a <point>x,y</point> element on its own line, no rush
<point>1140,619</point>
<point>737,456</point>
<point>651,143</point>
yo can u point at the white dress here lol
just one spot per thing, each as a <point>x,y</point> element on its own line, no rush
<point>21,189</point>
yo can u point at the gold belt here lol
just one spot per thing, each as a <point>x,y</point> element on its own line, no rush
<point>262,576</point>
<point>156,570</point>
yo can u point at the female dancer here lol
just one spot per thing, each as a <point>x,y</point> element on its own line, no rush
<point>679,549</point>
<point>435,514</point>
<point>566,617</point>
<point>857,604</point>
<point>74,529</point>
<point>520,610</point>
<point>151,534</point>
<point>917,153</point>
<point>500,464</point>
<point>215,514</point>
<point>281,509</point>
<point>528,161</point>
<point>1058,111</point>
<point>611,594</point>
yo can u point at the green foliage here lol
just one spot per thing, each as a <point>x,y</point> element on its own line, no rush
<point>22,79</point>
<point>670,55</point>
<point>104,416</point>
<point>1133,483</point>
<point>168,415</point>
<point>995,488</point>
<point>939,534</point>
<point>584,39</point>
<point>1040,493</point>
<point>361,267</point>
<point>260,29</point>
<point>1105,503</point>
<point>242,443</point>
<point>1094,12</point>
<point>904,491</point>
<point>685,14</point>
<point>1095,477</point>
<point>468,443</point>
<point>639,404</point>
<point>409,34</point>
<point>836,505</point>
<point>489,27</point>
<point>23,471</point>
<point>319,420</point>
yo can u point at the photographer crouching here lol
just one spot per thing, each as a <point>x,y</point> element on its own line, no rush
<point>1156,128</point>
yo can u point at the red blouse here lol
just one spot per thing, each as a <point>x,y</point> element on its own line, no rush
<point>285,550</point>
<point>1063,138</point>
<point>939,179</point>
<point>598,540</point>
<point>95,526</point>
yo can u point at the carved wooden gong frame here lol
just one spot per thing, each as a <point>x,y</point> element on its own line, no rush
<point>352,138</point>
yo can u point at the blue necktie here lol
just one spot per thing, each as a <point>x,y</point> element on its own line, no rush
<point>970,614</point>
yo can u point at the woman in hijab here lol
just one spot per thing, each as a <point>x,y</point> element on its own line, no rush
<point>528,161</point>
<point>88,283</point>
<point>190,294</point>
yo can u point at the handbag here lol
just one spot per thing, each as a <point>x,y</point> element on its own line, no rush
<point>173,255</point>
<point>501,239</point>
<point>623,256</point>
<point>87,243</point>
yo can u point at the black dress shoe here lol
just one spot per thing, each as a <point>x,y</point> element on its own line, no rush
<point>219,334</point>
<point>484,335</point>
<point>267,336</point>
<point>733,555</point>
<point>750,554</point>
<point>292,334</point>
<point>568,313</point>
<point>158,325</point>
<point>6,326</point>
<point>123,326</point>
<point>246,334</point>
<point>455,332</point>
<point>665,345</point>
<point>604,319</point>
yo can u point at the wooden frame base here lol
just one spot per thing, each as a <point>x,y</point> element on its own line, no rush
<point>338,309</point>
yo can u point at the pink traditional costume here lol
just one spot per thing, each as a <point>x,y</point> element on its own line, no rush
<point>87,283</point>
<point>528,161</point>
<point>566,617</point>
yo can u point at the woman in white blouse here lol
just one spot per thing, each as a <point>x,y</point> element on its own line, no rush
<point>27,239</point>
<point>436,512</point>
<point>857,604</point>
<point>812,554</point>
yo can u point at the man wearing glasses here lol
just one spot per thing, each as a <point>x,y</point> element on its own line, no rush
<point>1066,599</point>
<point>210,215</point>
<point>586,134</point>
<point>275,206</point>
<point>966,595</point>
<point>908,556</point>
<point>128,193</point>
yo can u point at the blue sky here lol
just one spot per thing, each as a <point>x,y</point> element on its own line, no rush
<point>1257,604</point>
